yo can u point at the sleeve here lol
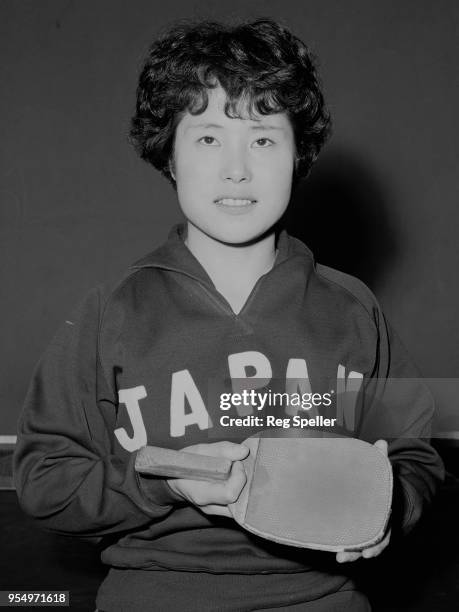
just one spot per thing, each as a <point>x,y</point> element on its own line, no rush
<point>399,408</point>
<point>65,473</point>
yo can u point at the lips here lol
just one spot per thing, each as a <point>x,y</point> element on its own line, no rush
<point>231,201</point>
<point>235,206</point>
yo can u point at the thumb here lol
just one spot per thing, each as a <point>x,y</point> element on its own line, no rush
<point>231,450</point>
<point>382,445</point>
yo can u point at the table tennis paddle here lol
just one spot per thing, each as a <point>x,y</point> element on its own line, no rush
<point>327,493</point>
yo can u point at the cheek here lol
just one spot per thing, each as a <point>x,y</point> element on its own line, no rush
<point>192,169</point>
<point>192,185</point>
<point>277,175</point>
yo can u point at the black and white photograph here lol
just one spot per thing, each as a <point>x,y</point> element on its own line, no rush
<point>228,259</point>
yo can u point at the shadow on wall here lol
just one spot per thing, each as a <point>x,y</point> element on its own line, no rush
<point>342,213</point>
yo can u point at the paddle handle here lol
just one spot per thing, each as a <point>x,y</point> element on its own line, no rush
<point>180,464</point>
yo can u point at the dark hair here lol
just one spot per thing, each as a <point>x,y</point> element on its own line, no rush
<point>260,63</point>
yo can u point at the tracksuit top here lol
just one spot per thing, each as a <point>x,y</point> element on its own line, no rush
<point>138,363</point>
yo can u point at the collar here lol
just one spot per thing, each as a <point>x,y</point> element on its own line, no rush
<point>174,255</point>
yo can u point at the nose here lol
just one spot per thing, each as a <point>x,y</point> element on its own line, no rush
<point>235,167</point>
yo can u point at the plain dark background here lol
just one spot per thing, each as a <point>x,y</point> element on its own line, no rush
<point>77,206</point>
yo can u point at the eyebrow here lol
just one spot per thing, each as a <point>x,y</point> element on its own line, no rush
<point>265,126</point>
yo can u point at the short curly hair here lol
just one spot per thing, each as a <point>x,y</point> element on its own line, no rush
<point>259,62</point>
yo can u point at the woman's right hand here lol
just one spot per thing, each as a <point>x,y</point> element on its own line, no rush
<point>213,497</point>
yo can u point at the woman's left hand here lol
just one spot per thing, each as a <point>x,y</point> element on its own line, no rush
<point>371,551</point>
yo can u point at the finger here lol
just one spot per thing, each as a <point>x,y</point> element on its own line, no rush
<point>218,492</point>
<point>374,551</point>
<point>345,557</point>
<point>382,445</point>
<point>217,510</point>
<point>235,483</point>
<point>229,450</point>
<point>369,553</point>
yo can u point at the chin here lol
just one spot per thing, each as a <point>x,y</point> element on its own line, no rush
<point>238,235</point>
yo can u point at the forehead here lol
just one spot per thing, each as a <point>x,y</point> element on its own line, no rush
<point>215,115</point>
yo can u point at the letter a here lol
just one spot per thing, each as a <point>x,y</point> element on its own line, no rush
<point>131,397</point>
<point>183,386</point>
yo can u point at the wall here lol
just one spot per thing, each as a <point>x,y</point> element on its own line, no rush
<point>77,206</point>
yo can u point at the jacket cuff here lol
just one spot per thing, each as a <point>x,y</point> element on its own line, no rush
<point>406,507</point>
<point>155,489</point>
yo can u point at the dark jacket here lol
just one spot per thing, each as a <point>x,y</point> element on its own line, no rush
<point>138,364</point>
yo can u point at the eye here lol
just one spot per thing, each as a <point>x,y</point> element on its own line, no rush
<point>262,143</point>
<point>208,140</point>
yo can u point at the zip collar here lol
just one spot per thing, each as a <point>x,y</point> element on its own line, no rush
<point>174,255</point>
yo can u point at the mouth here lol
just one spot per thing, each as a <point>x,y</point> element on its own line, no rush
<point>235,201</point>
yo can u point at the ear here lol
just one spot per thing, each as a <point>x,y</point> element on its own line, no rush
<point>296,162</point>
<point>172,169</point>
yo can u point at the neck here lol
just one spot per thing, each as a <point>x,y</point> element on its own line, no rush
<point>227,263</point>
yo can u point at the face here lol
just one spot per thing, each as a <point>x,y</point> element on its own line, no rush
<point>233,176</point>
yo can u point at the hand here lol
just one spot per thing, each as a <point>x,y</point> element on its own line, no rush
<point>213,497</point>
<point>371,551</point>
